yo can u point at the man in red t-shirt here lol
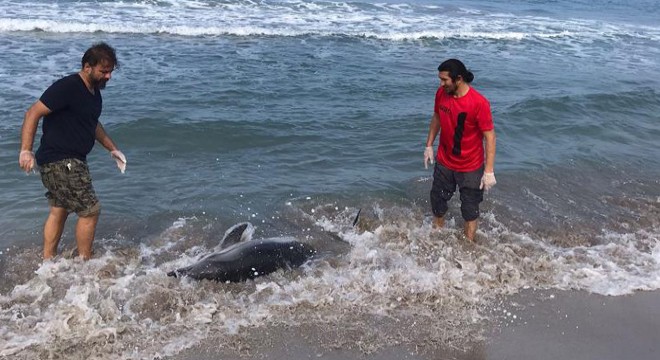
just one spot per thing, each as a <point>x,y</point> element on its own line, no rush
<point>463,118</point>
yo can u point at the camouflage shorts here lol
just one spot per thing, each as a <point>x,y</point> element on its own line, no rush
<point>69,186</point>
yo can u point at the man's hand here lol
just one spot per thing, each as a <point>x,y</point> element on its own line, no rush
<point>26,160</point>
<point>487,181</point>
<point>428,156</point>
<point>120,159</point>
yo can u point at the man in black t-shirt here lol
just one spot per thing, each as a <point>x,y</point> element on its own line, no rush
<point>71,108</point>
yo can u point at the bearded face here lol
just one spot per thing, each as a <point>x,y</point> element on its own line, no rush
<point>100,74</point>
<point>447,83</point>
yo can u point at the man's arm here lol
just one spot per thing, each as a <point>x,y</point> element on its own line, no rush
<point>434,128</point>
<point>30,122</point>
<point>104,139</point>
<point>489,136</point>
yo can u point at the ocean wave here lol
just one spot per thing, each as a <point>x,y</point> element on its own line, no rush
<point>51,26</point>
<point>301,18</point>
<point>125,307</point>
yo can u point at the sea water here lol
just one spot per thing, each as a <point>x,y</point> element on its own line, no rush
<point>295,114</point>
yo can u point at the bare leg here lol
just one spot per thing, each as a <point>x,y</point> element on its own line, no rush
<point>438,222</point>
<point>470,229</point>
<point>53,229</point>
<point>85,230</point>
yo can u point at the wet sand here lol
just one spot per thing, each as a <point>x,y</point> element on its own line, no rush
<point>532,325</point>
<point>578,325</point>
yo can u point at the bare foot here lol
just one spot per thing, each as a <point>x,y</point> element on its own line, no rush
<point>438,222</point>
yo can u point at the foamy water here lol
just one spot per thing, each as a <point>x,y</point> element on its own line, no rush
<point>295,114</point>
<point>297,18</point>
<point>121,304</point>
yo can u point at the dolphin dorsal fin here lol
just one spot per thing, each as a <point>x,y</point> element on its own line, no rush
<point>238,233</point>
<point>357,217</point>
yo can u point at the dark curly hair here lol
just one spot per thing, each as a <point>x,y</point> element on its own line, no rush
<point>456,68</point>
<point>100,53</point>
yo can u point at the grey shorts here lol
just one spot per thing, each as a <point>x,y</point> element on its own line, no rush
<point>445,182</point>
<point>69,186</point>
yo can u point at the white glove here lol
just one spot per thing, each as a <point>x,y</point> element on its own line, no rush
<point>487,181</point>
<point>26,160</point>
<point>120,159</point>
<point>428,156</point>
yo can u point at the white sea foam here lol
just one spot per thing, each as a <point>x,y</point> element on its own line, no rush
<point>396,265</point>
<point>296,18</point>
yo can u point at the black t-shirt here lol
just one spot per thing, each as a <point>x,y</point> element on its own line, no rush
<point>69,130</point>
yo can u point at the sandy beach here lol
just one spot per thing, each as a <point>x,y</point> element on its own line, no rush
<point>537,325</point>
<point>578,325</point>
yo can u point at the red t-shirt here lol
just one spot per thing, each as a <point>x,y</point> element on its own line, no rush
<point>462,123</point>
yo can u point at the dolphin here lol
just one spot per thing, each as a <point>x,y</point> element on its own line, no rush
<point>237,257</point>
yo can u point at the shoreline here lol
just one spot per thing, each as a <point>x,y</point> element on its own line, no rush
<point>535,324</point>
<point>580,325</point>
